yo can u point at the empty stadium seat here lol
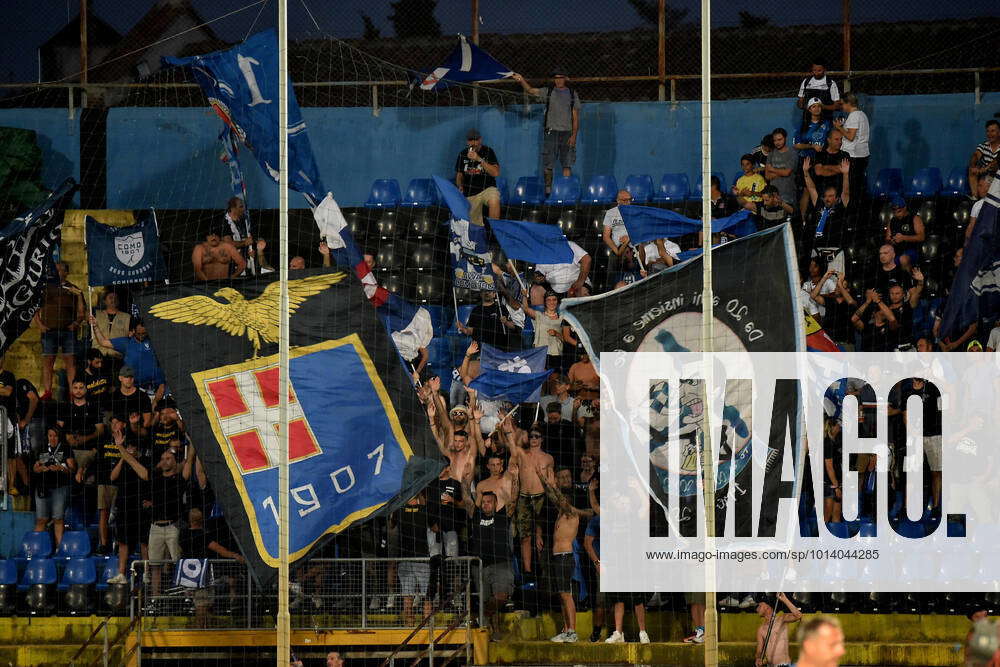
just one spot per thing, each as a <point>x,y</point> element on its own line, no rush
<point>926,182</point>
<point>421,192</point>
<point>957,183</point>
<point>503,189</point>
<point>640,186</point>
<point>673,188</point>
<point>602,189</point>
<point>8,587</point>
<point>75,544</point>
<point>570,224</point>
<point>384,194</point>
<point>888,181</point>
<point>430,288</point>
<point>423,222</point>
<point>81,571</point>
<point>35,544</point>
<point>565,191</point>
<point>698,185</point>
<point>528,191</point>
<point>385,226</point>
<point>421,256</point>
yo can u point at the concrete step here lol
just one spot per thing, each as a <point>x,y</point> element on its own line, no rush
<point>55,655</point>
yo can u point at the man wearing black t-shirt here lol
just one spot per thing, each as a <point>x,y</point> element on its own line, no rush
<point>488,323</point>
<point>931,410</point>
<point>95,376</point>
<point>772,210</point>
<point>476,171</point>
<point>412,530</point>
<point>167,484</point>
<point>826,163</point>
<point>489,539</point>
<point>129,400</point>
<point>168,430</point>
<point>824,231</point>
<point>107,455</point>
<point>131,477</point>
<point>29,417</point>
<point>902,304</point>
<point>889,272</point>
<point>80,420</point>
<point>197,542</point>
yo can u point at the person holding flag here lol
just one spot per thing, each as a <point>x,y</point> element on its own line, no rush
<point>561,123</point>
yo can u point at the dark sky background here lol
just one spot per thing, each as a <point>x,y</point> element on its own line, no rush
<point>27,24</point>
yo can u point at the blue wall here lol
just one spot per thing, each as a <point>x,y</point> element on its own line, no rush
<point>57,135</point>
<point>168,158</point>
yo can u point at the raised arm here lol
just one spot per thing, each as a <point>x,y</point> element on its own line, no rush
<point>793,612</point>
<point>810,186</point>
<point>918,287</point>
<point>845,188</point>
<point>324,250</point>
<point>524,84</point>
<point>139,469</point>
<point>555,495</point>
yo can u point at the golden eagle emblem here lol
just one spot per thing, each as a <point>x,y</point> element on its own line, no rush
<point>256,319</point>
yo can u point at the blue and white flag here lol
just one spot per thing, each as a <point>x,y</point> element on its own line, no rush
<point>645,223</point>
<point>531,360</point>
<point>975,292</point>
<point>533,242</point>
<point>471,260</point>
<point>513,387</point>
<point>123,255</point>
<point>409,326</point>
<point>467,62</point>
<point>241,84</point>
<point>193,573</point>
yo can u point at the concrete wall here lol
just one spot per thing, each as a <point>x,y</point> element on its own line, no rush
<point>58,137</point>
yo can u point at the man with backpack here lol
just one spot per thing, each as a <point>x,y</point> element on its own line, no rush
<point>562,123</point>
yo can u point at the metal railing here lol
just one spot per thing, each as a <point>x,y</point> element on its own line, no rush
<point>326,594</point>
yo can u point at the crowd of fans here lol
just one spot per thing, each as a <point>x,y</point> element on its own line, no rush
<point>521,487</point>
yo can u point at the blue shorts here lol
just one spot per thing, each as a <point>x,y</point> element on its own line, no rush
<point>912,253</point>
<point>53,505</point>
<point>53,340</point>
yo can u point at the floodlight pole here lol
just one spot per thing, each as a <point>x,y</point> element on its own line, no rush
<point>707,320</point>
<point>283,621</point>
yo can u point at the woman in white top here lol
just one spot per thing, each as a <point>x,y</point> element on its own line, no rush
<point>548,329</point>
<point>857,133</point>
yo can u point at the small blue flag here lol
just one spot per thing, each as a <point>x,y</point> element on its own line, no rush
<point>513,387</point>
<point>531,360</point>
<point>737,224</point>
<point>975,292</point>
<point>532,242</point>
<point>471,260</point>
<point>122,255</point>
<point>467,62</point>
<point>645,223</point>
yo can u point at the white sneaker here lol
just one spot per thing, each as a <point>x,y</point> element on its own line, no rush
<point>615,638</point>
<point>559,639</point>
<point>729,602</point>
<point>643,637</point>
<point>697,638</point>
<point>748,602</point>
<point>571,637</point>
<point>118,579</point>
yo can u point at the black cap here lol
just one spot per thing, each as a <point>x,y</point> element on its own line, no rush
<point>473,134</point>
<point>558,71</point>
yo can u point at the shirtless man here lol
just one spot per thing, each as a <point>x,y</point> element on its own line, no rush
<point>502,484</point>
<point>459,438</point>
<point>212,258</point>
<point>531,499</point>
<point>563,534</point>
<point>777,645</point>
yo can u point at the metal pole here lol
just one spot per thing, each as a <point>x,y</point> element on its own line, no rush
<point>707,320</point>
<point>83,42</point>
<point>283,624</point>
<point>662,48</point>
<point>846,11</point>
<point>475,40</point>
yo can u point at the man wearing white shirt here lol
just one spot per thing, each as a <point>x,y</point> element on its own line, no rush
<point>658,255</point>
<point>993,343</point>
<point>615,234</point>
<point>569,279</point>
<point>857,133</point>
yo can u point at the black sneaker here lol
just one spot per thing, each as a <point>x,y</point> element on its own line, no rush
<point>595,636</point>
<point>102,550</point>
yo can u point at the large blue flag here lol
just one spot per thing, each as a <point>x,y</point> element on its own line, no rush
<point>122,255</point>
<point>467,62</point>
<point>532,242</point>
<point>645,223</point>
<point>975,292</point>
<point>409,326</point>
<point>513,387</point>
<point>471,260</point>
<point>26,246</point>
<point>241,84</point>
<point>531,360</point>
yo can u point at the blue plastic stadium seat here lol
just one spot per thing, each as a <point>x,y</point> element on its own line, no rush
<point>925,183</point>
<point>673,188</point>
<point>640,186</point>
<point>868,529</point>
<point>384,194</point>
<point>420,193</point>
<point>697,185</point>
<point>106,569</point>
<point>888,181</point>
<point>35,544</point>
<point>38,571</point>
<point>78,571</point>
<point>957,183</point>
<point>504,190</point>
<point>565,191</point>
<point>841,529</point>
<point>602,189</point>
<point>911,529</point>
<point>528,191</point>
<point>75,544</point>
<point>8,572</point>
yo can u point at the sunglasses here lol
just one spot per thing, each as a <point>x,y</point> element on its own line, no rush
<point>535,435</point>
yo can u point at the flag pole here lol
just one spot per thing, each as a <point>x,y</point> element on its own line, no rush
<point>283,621</point>
<point>707,320</point>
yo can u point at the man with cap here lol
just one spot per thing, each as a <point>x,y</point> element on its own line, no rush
<point>129,401</point>
<point>137,354</point>
<point>476,171</point>
<point>905,232</point>
<point>561,124</point>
